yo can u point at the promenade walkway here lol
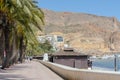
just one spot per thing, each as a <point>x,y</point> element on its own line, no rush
<point>29,70</point>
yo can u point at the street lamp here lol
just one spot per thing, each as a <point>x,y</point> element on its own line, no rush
<point>115,62</point>
<point>112,48</point>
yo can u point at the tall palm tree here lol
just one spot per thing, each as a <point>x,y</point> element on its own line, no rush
<point>14,13</point>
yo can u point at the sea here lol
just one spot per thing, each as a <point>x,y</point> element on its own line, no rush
<point>106,63</point>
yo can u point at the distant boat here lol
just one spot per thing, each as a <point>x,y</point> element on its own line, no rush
<point>93,57</point>
<point>107,56</point>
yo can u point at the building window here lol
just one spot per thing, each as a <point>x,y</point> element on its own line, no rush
<point>59,38</point>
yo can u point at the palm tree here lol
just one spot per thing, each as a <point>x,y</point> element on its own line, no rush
<point>14,13</point>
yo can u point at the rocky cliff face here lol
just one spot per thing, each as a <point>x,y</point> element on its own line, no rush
<point>85,32</point>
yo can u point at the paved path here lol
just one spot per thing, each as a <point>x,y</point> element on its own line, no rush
<point>30,70</point>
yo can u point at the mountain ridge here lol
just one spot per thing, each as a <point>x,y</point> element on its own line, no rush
<point>84,25</point>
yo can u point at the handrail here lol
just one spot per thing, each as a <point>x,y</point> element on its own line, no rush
<point>69,73</point>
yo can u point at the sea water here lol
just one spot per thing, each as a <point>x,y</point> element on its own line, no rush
<point>106,64</point>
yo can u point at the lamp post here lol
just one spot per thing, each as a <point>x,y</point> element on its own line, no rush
<point>112,48</point>
<point>115,62</point>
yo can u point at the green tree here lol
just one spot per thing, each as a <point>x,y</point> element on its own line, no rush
<point>46,46</point>
<point>17,17</point>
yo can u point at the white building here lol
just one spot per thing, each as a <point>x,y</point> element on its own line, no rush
<point>57,41</point>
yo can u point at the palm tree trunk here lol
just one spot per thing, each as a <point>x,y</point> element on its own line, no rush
<point>21,49</point>
<point>2,47</point>
<point>7,52</point>
<point>14,48</point>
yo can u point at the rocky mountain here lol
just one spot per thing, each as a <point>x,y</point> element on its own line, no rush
<point>85,32</point>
